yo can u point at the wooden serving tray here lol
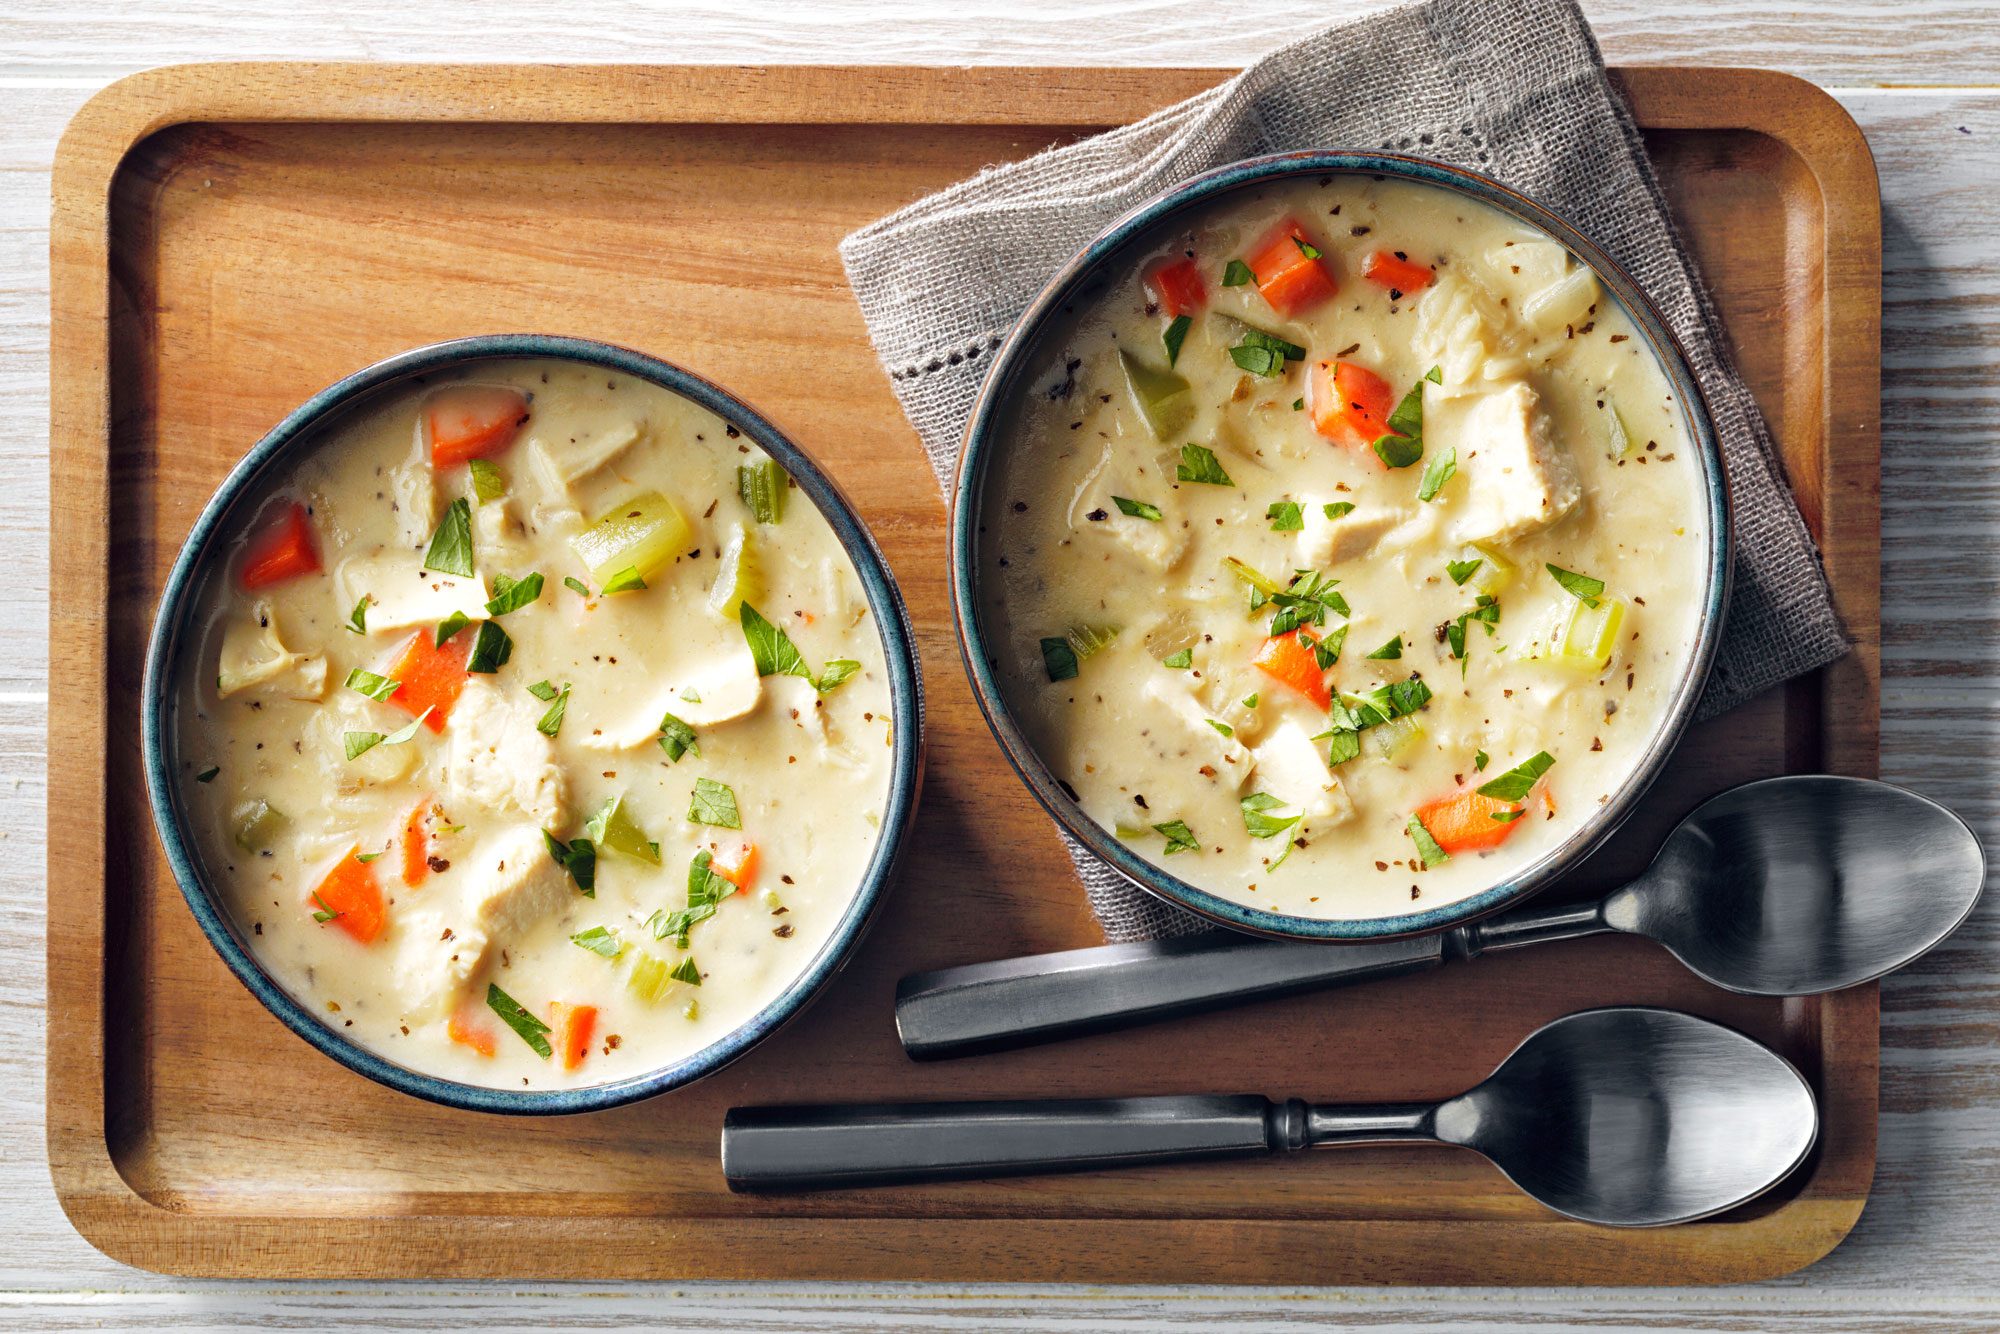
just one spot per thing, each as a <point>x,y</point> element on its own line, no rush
<point>229,238</point>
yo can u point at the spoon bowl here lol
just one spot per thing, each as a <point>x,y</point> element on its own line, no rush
<point>1805,884</point>
<point>1637,1117</point>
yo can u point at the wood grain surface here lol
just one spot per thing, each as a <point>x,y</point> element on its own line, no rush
<point>1922,1256</point>
<point>307,220</point>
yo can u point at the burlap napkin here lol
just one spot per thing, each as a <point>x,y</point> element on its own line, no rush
<point>1515,89</point>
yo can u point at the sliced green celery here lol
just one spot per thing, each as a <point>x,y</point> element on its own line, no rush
<point>651,977</point>
<point>644,534</point>
<point>258,824</point>
<point>1590,635</point>
<point>1165,399</point>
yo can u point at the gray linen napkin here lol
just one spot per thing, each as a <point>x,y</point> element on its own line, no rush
<point>1515,89</point>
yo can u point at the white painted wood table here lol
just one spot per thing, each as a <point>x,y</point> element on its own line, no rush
<point>1923,79</point>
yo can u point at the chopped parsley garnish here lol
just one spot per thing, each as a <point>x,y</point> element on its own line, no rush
<point>543,691</point>
<point>324,913</point>
<point>836,671</point>
<point>1436,473</point>
<point>487,484</point>
<point>552,721</point>
<point>1485,610</point>
<point>1390,651</point>
<point>1250,700</point>
<point>208,775</point>
<point>1298,405</point>
<point>450,626</point>
<point>1335,509</point>
<point>772,648</point>
<point>677,739</point>
<point>1059,659</point>
<point>705,890</point>
<point>686,971</point>
<point>1306,248</point>
<point>1505,817</point>
<point>451,545</point>
<point>1399,451</point>
<point>357,620</point>
<point>1285,516</point>
<point>599,941</point>
<point>1224,728</point>
<point>491,650</point>
<point>626,580</point>
<point>1350,715</point>
<point>690,694</point>
<point>1236,273</point>
<point>1518,781</point>
<point>365,857</point>
<point>1263,353</point>
<point>1579,586</point>
<point>377,688</point>
<point>360,743</point>
<point>1175,335</point>
<point>531,1030</point>
<point>1427,847</point>
<point>1258,821</point>
<point>1462,570</point>
<point>578,857</point>
<point>1404,444</point>
<point>1306,601</point>
<point>761,486</point>
<point>1181,660</point>
<point>576,585</point>
<point>714,804</point>
<point>1179,837</point>
<point>1137,509</point>
<point>1199,464</point>
<point>1479,760</point>
<point>1326,652</point>
<point>513,594</point>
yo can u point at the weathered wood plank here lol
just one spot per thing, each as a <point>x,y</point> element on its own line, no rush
<point>1829,41</point>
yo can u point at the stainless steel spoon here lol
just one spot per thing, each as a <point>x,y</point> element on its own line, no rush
<point>1629,1117</point>
<point>1785,887</point>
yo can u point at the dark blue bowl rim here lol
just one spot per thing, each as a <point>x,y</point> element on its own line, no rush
<point>984,436</point>
<point>207,541</point>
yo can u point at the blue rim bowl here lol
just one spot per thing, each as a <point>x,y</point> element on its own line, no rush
<point>986,435</point>
<point>233,504</point>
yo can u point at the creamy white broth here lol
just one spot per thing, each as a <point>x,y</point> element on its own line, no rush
<point>1570,451</point>
<point>808,772</point>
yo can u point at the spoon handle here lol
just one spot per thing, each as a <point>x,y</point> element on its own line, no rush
<point>1007,1003</point>
<point>833,1147</point>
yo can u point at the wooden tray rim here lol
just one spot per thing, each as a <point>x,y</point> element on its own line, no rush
<point>130,1227</point>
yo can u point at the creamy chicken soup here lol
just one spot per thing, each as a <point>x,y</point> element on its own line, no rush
<point>538,733</point>
<point>1347,551</point>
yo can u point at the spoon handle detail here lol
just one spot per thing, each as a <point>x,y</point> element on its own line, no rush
<point>1008,1003</point>
<point>834,1147</point>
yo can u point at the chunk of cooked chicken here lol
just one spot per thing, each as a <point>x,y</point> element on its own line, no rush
<point>561,463</point>
<point>255,660</point>
<point>1136,475</point>
<point>1324,541</point>
<point>495,895</point>
<point>402,593</point>
<point>1517,480</point>
<point>721,690</point>
<point>1189,734</point>
<point>1291,768</point>
<point>496,759</point>
<point>413,494</point>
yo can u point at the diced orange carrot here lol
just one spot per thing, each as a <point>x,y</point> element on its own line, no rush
<point>417,845</point>
<point>465,1028</point>
<point>1292,280</point>
<point>431,676</point>
<point>1290,658</point>
<point>1177,288</point>
<point>284,549</point>
<point>1350,404</point>
<point>572,1026</point>
<point>736,862</point>
<point>473,421</point>
<point>1463,821</point>
<point>353,895</point>
<point>1396,272</point>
